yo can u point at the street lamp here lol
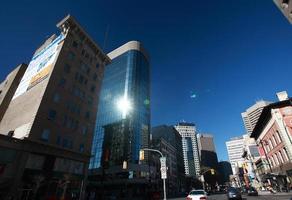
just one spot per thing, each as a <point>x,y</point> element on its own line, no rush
<point>163,168</point>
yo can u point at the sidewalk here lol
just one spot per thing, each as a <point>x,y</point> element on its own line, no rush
<point>277,193</point>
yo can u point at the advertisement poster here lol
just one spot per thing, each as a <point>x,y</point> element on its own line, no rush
<point>39,67</point>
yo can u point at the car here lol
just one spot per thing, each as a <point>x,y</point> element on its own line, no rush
<point>252,192</point>
<point>233,193</point>
<point>197,195</point>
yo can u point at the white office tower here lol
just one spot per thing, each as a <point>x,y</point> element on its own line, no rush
<point>190,148</point>
<point>235,147</point>
<point>251,115</point>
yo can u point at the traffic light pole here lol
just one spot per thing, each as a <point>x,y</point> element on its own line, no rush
<point>163,179</point>
<point>202,176</point>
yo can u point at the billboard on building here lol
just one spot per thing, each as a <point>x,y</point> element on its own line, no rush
<point>40,66</point>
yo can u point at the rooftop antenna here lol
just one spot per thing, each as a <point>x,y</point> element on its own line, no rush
<point>105,37</point>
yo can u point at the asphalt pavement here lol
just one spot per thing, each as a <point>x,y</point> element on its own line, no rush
<point>280,196</point>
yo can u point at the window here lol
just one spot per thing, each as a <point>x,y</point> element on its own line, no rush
<point>81,148</point>
<point>65,143</point>
<point>280,157</point>
<point>97,65</point>
<point>75,44</point>
<point>71,55</point>
<point>286,1</point>
<point>52,114</point>
<point>84,130</point>
<point>276,159</point>
<point>65,120</point>
<point>76,124</point>
<point>274,141</point>
<point>59,139</point>
<point>278,137</point>
<point>84,68</point>
<point>87,115</point>
<point>45,135</point>
<point>95,76</point>
<point>70,144</point>
<point>92,89</point>
<point>70,123</point>
<point>272,161</point>
<point>77,92</point>
<point>73,108</point>
<point>81,79</point>
<point>285,154</point>
<point>271,144</point>
<point>89,100</point>
<point>88,71</point>
<point>67,68</point>
<point>56,98</point>
<point>267,148</point>
<point>62,82</point>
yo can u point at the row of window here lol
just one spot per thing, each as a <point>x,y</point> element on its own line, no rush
<point>84,54</point>
<point>79,78</point>
<point>84,69</point>
<point>273,141</point>
<point>70,122</point>
<point>279,158</point>
<point>75,91</point>
<point>61,141</point>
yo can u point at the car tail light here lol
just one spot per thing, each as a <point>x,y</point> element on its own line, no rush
<point>203,198</point>
<point>188,198</point>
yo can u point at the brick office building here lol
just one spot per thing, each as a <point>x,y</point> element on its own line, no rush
<point>273,134</point>
<point>49,122</point>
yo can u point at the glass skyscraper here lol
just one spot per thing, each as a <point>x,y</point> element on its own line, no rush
<point>123,117</point>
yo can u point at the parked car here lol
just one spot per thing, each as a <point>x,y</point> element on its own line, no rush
<point>252,192</point>
<point>234,193</point>
<point>197,195</point>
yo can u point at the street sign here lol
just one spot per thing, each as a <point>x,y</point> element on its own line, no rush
<point>131,174</point>
<point>212,171</point>
<point>141,155</point>
<point>163,168</point>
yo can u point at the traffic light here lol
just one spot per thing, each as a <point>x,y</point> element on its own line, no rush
<point>212,171</point>
<point>125,164</point>
<point>141,155</point>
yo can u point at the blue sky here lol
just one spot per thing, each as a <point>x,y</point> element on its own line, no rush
<point>228,53</point>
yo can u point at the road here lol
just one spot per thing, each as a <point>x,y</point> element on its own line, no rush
<point>261,197</point>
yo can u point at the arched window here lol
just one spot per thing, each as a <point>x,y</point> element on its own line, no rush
<point>280,157</point>
<point>276,159</point>
<point>271,144</point>
<point>274,141</point>
<point>278,136</point>
<point>285,154</point>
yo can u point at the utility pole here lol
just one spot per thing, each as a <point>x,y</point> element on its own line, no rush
<point>261,141</point>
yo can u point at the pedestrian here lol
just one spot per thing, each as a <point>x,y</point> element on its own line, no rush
<point>271,189</point>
